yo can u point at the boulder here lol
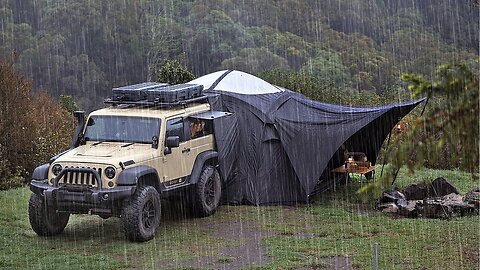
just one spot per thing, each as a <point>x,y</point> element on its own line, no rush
<point>410,208</point>
<point>447,206</point>
<point>391,196</point>
<point>434,208</point>
<point>441,187</point>
<point>473,197</point>
<point>416,192</point>
<point>452,197</point>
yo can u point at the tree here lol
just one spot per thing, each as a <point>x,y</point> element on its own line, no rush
<point>450,127</point>
<point>255,60</point>
<point>15,37</point>
<point>173,72</point>
<point>164,39</point>
<point>295,49</point>
<point>311,87</point>
<point>327,66</point>
<point>68,103</point>
<point>215,37</point>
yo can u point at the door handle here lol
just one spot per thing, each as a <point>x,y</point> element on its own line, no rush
<point>185,150</point>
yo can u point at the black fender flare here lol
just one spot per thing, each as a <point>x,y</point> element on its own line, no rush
<point>132,176</point>
<point>201,159</point>
<point>41,172</point>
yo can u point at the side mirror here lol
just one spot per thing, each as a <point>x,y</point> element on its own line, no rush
<point>155,142</point>
<point>172,141</point>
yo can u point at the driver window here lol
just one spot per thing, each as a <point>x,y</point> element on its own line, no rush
<point>175,128</point>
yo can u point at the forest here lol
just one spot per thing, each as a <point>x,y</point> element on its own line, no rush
<point>347,52</point>
<point>84,48</point>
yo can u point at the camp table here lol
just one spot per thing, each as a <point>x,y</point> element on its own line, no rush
<point>355,169</point>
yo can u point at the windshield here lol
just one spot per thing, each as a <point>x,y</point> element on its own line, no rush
<point>121,129</point>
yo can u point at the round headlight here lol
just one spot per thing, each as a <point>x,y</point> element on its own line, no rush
<point>56,169</point>
<point>110,172</point>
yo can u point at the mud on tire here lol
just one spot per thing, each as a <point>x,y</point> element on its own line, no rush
<point>45,222</point>
<point>141,214</point>
<point>208,191</point>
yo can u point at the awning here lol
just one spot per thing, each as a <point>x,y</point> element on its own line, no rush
<point>210,115</point>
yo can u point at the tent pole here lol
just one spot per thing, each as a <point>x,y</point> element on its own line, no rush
<point>388,143</point>
<point>424,106</point>
<point>395,177</point>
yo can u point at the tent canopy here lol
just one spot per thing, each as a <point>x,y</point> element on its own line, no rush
<point>277,145</point>
<point>238,82</point>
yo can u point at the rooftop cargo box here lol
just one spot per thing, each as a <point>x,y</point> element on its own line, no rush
<point>175,93</point>
<point>135,92</point>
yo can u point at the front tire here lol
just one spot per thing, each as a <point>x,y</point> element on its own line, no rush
<point>208,191</point>
<point>44,221</point>
<point>141,214</point>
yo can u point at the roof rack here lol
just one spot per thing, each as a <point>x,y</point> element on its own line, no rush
<point>157,94</point>
<point>156,103</point>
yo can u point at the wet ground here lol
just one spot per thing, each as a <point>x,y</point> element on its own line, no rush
<point>246,250</point>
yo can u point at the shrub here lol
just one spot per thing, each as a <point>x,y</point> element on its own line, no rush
<point>33,126</point>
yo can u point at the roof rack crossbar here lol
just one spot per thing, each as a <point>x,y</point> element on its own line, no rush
<point>156,103</point>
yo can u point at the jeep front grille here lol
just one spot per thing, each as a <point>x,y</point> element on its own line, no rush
<point>81,176</point>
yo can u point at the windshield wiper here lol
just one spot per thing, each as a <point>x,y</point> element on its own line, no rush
<point>97,143</point>
<point>128,144</point>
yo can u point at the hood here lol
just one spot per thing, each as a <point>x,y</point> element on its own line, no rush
<point>109,153</point>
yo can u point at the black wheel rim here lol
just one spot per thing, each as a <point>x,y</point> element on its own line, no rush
<point>210,191</point>
<point>148,214</point>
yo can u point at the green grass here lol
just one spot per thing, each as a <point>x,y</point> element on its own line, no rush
<point>336,224</point>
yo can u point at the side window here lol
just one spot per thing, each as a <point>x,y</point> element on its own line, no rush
<point>175,128</point>
<point>200,127</point>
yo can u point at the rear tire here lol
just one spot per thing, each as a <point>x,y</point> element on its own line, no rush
<point>141,215</point>
<point>45,222</point>
<point>208,191</point>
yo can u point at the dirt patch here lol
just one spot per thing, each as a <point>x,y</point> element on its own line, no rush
<point>247,249</point>
<point>472,255</point>
<point>250,250</point>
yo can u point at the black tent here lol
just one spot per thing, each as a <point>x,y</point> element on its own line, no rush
<point>277,144</point>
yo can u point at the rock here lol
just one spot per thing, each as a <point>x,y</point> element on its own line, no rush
<point>402,203</point>
<point>452,197</point>
<point>433,208</point>
<point>447,206</point>
<point>388,207</point>
<point>441,187</point>
<point>416,192</point>
<point>473,197</point>
<point>391,196</point>
<point>410,209</point>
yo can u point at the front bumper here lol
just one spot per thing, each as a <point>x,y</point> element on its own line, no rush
<point>81,199</point>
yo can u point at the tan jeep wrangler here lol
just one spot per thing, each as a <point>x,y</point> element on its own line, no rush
<point>153,141</point>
